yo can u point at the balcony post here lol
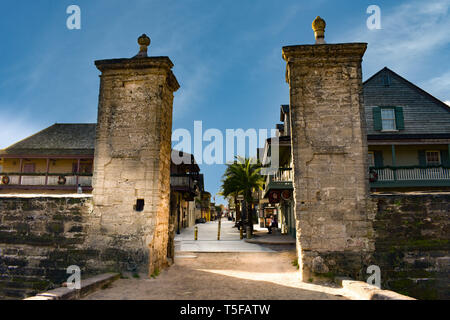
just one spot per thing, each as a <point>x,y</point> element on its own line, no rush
<point>394,163</point>
<point>21,170</point>
<point>46,171</point>
<point>78,172</point>
<point>178,213</point>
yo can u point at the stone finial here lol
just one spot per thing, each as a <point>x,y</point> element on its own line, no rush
<point>143,42</point>
<point>318,26</point>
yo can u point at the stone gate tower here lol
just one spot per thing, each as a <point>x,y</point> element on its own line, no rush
<point>329,152</point>
<point>131,182</point>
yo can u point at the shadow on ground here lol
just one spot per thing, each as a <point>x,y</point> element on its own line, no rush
<point>222,276</point>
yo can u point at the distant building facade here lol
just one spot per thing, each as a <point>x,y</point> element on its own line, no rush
<point>408,136</point>
<point>408,133</point>
<point>60,158</point>
<point>54,160</point>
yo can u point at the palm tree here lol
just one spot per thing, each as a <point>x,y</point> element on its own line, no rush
<point>242,178</point>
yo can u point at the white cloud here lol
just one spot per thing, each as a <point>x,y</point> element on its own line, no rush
<point>447,102</point>
<point>16,127</point>
<point>409,33</point>
<point>439,86</point>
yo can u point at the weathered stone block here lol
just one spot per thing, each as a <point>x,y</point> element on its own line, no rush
<point>330,170</point>
<point>132,158</point>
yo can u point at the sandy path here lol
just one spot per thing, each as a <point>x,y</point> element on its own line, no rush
<point>222,276</point>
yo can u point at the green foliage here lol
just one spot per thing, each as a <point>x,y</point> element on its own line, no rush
<point>155,273</point>
<point>136,275</point>
<point>242,178</point>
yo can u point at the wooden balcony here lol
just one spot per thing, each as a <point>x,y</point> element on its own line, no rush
<point>187,184</point>
<point>413,176</point>
<point>281,180</point>
<point>36,181</point>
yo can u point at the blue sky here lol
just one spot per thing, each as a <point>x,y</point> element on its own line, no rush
<point>227,55</point>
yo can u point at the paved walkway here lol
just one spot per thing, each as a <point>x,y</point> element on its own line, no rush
<point>229,240</point>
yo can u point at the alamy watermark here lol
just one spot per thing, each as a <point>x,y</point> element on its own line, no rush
<point>213,146</point>
<point>375,275</point>
<point>74,281</point>
<point>373,22</point>
<point>74,20</point>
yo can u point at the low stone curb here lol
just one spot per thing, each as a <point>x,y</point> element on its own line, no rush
<point>87,286</point>
<point>363,291</point>
<point>262,241</point>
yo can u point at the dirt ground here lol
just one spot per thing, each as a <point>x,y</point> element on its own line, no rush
<point>222,276</point>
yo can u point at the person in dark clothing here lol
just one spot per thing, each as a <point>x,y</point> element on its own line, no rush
<point>271,224</point>
<point>274,224</point>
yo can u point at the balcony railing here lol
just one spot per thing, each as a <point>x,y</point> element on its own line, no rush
<point>282,175</point>
<point>36,180</point>
<point>184,182</point>
<point>411,176</point>
<point>282,179</point>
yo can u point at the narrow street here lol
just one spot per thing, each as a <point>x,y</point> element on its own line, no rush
<point>208,269</point>
<point>229,240</point>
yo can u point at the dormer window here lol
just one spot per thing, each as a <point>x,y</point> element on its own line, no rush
<point>388,119</point>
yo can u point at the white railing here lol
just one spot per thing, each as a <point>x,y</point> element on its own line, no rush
<point>385,174</point>
<point>33,180</point>
<point>409,174</point>
<point>85,181</point>
<point>40,180</point>
<point>283,175</point>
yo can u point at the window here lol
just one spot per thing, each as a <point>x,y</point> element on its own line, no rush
<point>433,158</point>
<point>371,159</point>
<point>388,119</point>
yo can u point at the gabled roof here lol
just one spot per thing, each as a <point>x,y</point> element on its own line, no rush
<point>60,138</point>
<point>68,139</point>
<point>188,162</point>
<point>411,85</point>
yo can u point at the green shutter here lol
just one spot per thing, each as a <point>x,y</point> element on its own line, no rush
<point>422,158</point>
<point>377,118</point>
<point>378,158</point>
<point>444,158</point>
<point>399,120</point>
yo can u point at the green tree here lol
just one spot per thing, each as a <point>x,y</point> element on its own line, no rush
<point>242,178</point>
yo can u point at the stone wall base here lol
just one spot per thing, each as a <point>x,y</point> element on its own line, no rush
<point>323,266</point>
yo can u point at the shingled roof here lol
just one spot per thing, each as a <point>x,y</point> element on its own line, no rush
<point>58,139</point>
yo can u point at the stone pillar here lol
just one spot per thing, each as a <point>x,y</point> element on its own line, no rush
<point>329,151</point>
<point>131,182</point>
